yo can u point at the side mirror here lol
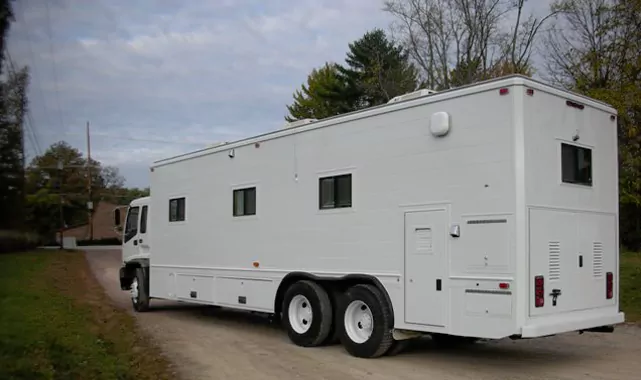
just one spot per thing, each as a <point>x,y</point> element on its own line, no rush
<point>117,217</point>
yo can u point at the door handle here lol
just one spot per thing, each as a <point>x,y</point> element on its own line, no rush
<point>135,242</point>
<point>140,241</point>
<point>438,284</point>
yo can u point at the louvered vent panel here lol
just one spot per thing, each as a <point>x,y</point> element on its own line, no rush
<point>597,259</point>
<point>554,260</point>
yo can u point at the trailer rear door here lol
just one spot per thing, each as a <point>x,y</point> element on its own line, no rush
<point>572,257</point>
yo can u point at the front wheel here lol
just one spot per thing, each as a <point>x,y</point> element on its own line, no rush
<point>366,330</point>
<point>139,292</point>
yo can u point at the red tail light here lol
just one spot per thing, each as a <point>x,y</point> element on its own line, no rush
<point>609,279</point>
<point>539,291</point>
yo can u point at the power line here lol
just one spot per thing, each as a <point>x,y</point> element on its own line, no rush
<point>53,63</point>
<point>129,138</point>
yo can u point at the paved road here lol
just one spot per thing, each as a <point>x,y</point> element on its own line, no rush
<point>211,343</point>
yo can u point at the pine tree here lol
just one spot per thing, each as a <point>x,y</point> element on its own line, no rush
<point>326,94</point>
<point>378,70</point>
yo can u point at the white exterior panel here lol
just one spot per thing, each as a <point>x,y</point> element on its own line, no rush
<point>457,203</point>
<point>397,166</point>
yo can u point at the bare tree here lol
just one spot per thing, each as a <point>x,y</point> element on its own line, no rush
<point>583,44</point>
<point>455,42</point>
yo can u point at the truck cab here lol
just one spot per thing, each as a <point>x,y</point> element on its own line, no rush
<point>136,250</point>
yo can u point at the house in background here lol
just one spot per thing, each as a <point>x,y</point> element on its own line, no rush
<point>102,221</point>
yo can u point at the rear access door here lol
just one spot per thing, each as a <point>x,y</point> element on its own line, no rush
<point>573,254</point>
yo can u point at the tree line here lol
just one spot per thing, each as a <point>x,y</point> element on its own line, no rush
<point>592,47</point>
<point>55,188</point>
<point>587,46</point>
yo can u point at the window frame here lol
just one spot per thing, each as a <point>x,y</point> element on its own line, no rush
<point>129,234</point>
<point>575,178</point>
<point>180,201</point>
<point>245,192</point>
<point>338,204</point>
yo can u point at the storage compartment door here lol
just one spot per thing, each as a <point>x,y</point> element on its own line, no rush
<point>425,267</point>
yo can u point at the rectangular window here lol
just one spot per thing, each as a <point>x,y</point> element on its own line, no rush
<point>143,220</point>
<point>245,201</point>
<point>177,209</point>
<point>335,191</point>
<point>576,165</point>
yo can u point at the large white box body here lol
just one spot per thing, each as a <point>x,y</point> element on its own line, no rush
<point>496,175</point>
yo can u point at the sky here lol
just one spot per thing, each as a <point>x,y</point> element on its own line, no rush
<point>159,78</point>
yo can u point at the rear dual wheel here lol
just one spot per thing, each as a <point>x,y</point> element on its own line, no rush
<point>366,328</point>
<point>307,314</point>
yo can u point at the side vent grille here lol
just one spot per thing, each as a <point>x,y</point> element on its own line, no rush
<point>555,260</point>
<point>597,259</point>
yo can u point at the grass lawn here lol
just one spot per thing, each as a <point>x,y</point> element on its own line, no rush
<point>56,322</point>
<point>630,286</point>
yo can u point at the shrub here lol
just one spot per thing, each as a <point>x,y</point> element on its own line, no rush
<point>16,241</point>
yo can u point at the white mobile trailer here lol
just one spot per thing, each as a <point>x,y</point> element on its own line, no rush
<point>487,211</point>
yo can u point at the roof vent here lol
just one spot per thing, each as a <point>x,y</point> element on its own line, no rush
<point>298,123</point>
<point>411,95</point>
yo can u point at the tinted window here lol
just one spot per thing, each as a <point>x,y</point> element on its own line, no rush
<point>177,209</point>
<point>335,191</point>
<point>131,226</point>
<point>245,201</point>
<point>576,165</point>
<point>143,220</point>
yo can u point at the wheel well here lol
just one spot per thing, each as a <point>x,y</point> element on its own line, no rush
<point>128,272</point>
<point>331,284</point>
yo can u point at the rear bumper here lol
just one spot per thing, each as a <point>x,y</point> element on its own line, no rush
<point>577,321</point>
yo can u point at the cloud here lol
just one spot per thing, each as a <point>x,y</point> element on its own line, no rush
<point>159,78</point>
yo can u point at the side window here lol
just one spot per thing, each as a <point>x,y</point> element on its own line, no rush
<point>576,165</point>
<point>143,220</point>
<point>177,209</point>
<point>131,226</point>
<point>335,192</point>
<point>245,201</point>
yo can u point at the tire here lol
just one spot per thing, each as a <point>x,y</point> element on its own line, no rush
<point>366,328</point>
<point>309,321</point>
<point>140,291</point>
<point>336,297</point>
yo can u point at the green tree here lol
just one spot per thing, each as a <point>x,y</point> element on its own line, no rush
<point>595,49</point>
<point>59,178</point>
<point>378,70</point>
<point>6,16</point>
<point>326,94</point>
<point>13,106</point>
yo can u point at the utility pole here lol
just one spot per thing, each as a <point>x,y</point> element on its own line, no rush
<point>89,202</point>
<point>60,167</point>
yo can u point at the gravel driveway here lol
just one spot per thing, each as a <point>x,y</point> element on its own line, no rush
<point>211,343</point>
